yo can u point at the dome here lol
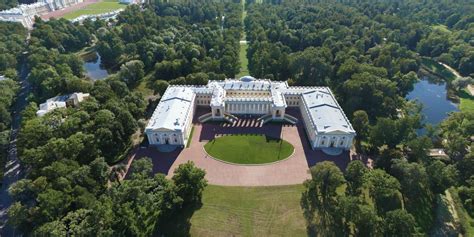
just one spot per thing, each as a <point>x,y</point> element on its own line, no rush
<point>247,78</point>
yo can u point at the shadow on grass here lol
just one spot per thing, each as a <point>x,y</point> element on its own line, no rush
<point>177,224</point>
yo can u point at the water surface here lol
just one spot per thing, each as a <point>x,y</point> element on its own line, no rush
<point>433,96</point>
<point>93,67</point>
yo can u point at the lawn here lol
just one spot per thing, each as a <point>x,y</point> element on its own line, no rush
<point>249,211</point>
<point>96,8</point>
<point>249,149</point>
<point>244,61</point>
<point>467,101</point>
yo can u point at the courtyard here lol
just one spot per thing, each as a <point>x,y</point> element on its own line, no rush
<point>292,170</point>
<point>249,149</point>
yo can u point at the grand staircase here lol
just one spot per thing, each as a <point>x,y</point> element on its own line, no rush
<point>286,118</point>
<point>205,117</point>
<point>229,118</point>
<point>290,119</point>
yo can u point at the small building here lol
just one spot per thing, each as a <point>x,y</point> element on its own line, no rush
<point>171,122</point>
<point>325,122</point>
<point>62,101</point>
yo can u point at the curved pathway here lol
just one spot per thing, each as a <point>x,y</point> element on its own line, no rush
<point>293,170</point>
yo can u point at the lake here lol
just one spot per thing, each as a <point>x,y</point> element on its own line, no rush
<point>93,67</point>
<point>433,97</point>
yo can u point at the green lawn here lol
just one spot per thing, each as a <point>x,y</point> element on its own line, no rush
<point>249,149</point>
<point>250,211</point>
<point>96,8</point>
<point>244,61</point>
<point>467,101</point>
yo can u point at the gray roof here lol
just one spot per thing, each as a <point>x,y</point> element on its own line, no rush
<point>325,113</point>
<point>171,113</point>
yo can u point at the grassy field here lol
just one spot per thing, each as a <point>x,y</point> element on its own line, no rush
<point>250,211</point>
<point>467,101</point>
<point>96,8</point>
<point>249,149</point>
<point>244,61</point>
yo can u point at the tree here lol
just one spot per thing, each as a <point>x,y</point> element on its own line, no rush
<point>384,189</point>
<point>320,198</point>
<point>131,72</point>
<point>142,167</point>
<point>190,183</point>
<point>361,218</point>
<point>360,122</point>
<point>116,172</point>
<point>355,174</point>
<point>311,66</point>
<point>399,223</point>
<point>160,87</point>
<point>415,187</point>
<point>442,176</point>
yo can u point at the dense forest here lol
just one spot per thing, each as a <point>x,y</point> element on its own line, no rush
<point>368,52</point>
<point>12,41</point>
<point>7,4</point>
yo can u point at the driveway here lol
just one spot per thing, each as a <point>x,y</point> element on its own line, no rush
<point>293,170</point>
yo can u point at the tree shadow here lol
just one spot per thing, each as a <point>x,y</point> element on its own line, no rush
<point>177,223</point>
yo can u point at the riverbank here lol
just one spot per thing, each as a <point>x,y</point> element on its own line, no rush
<point>437,71</point>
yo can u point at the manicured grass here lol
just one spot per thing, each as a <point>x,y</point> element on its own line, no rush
<point>467,101</point>
<point>250,211</point>
<point>249,149</point>
<point>438,69</point>
<point>96,8</point>
<point>244,61</point>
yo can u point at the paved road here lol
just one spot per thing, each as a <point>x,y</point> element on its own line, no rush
<point>12,168</point>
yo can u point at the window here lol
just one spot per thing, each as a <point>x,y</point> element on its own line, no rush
<point>342,142</point>
<point>175,140</point>
<point>322,143</point>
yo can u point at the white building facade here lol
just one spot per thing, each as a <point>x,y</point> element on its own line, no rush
<point>325,123</point>
<point>61,101</point>
<point>25,13</point>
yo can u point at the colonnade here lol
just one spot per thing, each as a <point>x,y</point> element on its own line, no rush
<point>248,108</point>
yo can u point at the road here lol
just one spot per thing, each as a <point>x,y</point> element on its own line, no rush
<point>12,167</point>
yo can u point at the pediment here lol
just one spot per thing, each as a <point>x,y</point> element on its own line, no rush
<point>163,130</point>
<point>336,132</point>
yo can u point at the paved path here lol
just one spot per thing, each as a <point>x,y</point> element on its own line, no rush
<point>452,70</point>
<point>293,170</point>
<point>12,168</point>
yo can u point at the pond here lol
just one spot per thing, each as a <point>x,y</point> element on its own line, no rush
<point>433,96</point>
<point>93,67</point>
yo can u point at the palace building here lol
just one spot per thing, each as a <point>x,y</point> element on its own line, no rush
<point>325,122</point>
<point>25,13</point>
